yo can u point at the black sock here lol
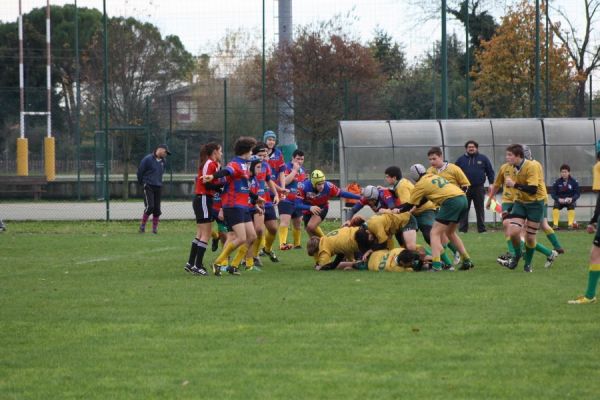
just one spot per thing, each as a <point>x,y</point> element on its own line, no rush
<point>193,251</point>
<point>200,254</point>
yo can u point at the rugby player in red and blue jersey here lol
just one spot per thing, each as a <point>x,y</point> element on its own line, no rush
<point>313,200</point>
<point>376,199</point>
<point>235,198</point>
<point>295,176</point>
<point>271,196</point>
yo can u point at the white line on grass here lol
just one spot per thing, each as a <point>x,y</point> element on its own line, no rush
<point>116,257</point>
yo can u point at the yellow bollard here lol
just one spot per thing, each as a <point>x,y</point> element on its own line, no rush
<point>50,158</point>
<point>22,157</point>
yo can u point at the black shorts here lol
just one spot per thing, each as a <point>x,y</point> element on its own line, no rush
<point>270,213</point>
<point>202,205</point>
<point>289,208</point>
<point>236,215</point>
<point>308,215</point>
<point>559,206</point>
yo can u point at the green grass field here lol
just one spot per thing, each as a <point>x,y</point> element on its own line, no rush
<point>96,311</point>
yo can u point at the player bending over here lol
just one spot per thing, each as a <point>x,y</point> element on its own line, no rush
<point>453,204</point>
<point>313,199</point>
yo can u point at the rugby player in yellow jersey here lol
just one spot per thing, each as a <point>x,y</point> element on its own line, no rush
<point>337,243</point>
<point>528,208</point>
<point>402,188</point>
<point>445,169</point>
<point>545,225</point>
<point>453,174</point>
<point>453,204</point>
<point>383,228</point>
<point>594,264</point>
<point>397,259</point>
<point>508,198</point>
<point>508,195</point>
<point>392,260</point>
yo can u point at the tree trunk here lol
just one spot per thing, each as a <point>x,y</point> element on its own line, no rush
<point>314,138</point>
<point>580,99</point>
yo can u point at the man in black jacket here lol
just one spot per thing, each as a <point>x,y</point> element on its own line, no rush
<point>476,167</point>
<point>150,174</point>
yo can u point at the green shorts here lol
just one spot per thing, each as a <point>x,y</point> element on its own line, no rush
<point>452,209</point>
<point>545,215</point>
<point>507,207</point>
<point>411,225</point>
<point>426,218</point>
<point>531,211</point>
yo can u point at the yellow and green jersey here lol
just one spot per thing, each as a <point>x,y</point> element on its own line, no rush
<point>403,190</point>
<point>530,173</point>
<point>384,226</point>
<point>385,260</point>
<point>452,173</point>
<point>596,176</point>
<point>506,171</point>
<point>434,188</point>
<point>339,241</point>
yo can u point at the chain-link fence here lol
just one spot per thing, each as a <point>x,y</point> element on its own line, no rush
<point>347,61</point>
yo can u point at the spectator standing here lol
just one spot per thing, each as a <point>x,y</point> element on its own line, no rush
<point>150,175</point>
<point>477,167</point>
<point>565,192</point>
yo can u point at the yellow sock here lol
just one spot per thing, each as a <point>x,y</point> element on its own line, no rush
<point>240,255</point>
<point>256,244</point>
<point>269,239</point>
<point>249,262</point>
<point>555,216</point>
<point>214,234</point>
<point>297,235</point>
<point>261,242</point>
<point>570,217</point>
<point>283,233</point>
<point>227,250</point>
<point>319,232</point>
<point>549,231</point>
<point>465,256</point>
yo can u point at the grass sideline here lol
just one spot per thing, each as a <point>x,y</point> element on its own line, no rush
<point>95,310</point>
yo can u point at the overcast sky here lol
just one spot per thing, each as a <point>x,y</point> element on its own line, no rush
<point>202,23</point>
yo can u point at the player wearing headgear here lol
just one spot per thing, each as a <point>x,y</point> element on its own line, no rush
<point>295,175</point>
<point>235,198</point>
<point>313,199</point>
<point>339,243</point>
<point>453,204</point>
<point>376,199</point>
<point>210,159</point>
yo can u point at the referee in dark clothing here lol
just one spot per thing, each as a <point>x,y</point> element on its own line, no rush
<point>476,167</point>
<point>150,174</point>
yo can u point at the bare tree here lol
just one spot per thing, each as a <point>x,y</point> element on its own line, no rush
<point>584,51</point>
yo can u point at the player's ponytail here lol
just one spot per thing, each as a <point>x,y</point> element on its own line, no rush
<point>207,150</point>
